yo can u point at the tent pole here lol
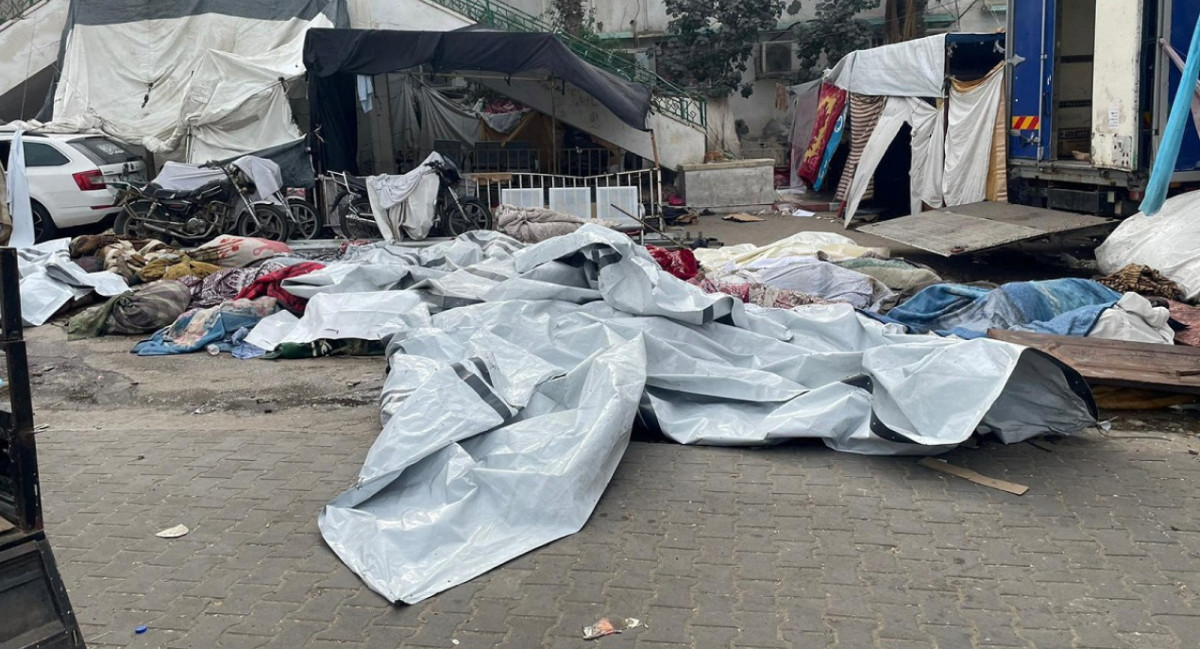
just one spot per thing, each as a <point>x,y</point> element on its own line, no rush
<point>656,191</point>
<point>554,128</point>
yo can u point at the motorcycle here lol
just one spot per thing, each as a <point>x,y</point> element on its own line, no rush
<point>453,214</point>
<point>192,216</point>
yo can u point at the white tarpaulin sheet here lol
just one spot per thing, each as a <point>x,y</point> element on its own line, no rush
<point>507,409</point>
<point>971,116</point>
<point>49,279</point>
<point>20,209</point>
<point>1165,242</point>
<point>207,77</point>
<point>914,68</point>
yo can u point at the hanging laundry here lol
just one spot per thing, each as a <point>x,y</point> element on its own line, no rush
<point>831,104</point>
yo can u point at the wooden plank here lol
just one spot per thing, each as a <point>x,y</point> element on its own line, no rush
<point>1170,368</point>
<point>980,226</point>
<point>977,478</point>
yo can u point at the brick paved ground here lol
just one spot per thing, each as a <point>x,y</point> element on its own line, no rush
<point>787,547</point>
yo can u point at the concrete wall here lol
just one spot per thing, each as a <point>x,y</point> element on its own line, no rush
<point>413,15</point>
<point>28,51</point>
<point>741,183</point>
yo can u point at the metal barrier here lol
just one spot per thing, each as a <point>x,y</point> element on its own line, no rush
<point>632,199</point>
<point>487,186</point>
<point>36,612</point>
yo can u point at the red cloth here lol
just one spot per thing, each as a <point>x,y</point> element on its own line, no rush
<point>269,285</point>
<point>680,263</point>
<point>830,104</point>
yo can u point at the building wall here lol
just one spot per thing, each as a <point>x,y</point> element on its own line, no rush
<point>412,15</point>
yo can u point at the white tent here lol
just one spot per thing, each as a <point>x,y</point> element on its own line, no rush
<point>195,80</point>
<point>952,123</point>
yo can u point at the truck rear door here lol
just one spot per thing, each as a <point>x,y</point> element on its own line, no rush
<point>1031,54</point>
<point>1116,84</point>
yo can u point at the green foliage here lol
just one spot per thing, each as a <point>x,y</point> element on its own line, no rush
<point>833,33</point>
<point>570,17</point>
<point>709,42</point>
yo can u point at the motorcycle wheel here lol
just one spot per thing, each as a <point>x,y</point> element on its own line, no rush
<point>129,223</point>
<point>273,223</point>
<point>471,214</point>
<point>349,209</point>
<point>306,220</point>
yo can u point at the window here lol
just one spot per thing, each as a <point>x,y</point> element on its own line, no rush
<point>43,155</point>
<point>103,151</point>
<point>778,57</point>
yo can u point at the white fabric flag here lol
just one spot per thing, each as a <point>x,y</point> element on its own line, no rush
<point>18,195</point>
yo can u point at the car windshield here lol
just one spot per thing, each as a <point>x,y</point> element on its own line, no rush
<point>104,151</point>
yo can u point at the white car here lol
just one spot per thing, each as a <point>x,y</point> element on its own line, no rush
<point>70,178</point>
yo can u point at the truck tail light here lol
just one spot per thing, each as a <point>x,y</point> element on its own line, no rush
<point>89,180</point>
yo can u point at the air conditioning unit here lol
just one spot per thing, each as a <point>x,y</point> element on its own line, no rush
<point>777,57</point>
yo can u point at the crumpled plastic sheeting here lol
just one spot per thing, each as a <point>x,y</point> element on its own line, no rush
<point>503,420</point>
<point>49,279</point>
<point>384,267</point>
<point>442,499</point>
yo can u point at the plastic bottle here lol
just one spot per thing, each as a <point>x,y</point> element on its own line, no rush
<point>213,349</point>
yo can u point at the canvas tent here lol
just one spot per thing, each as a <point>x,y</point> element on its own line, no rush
<point>198,80</point>
<point>336,57</point>
<point>946,89</point>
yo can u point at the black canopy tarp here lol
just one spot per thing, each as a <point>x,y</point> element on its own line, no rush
<point>334,56</point>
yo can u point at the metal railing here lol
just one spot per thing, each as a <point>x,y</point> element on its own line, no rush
<point>489,187</point>
<point>12,9</point>
<point>667,98</point>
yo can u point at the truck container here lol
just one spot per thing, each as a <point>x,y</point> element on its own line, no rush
<point>1088,97</point>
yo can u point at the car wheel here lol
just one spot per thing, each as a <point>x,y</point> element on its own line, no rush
<point>43,226</point>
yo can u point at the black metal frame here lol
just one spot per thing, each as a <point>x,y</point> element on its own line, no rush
<point>29,576</point>
<point>20,502</point>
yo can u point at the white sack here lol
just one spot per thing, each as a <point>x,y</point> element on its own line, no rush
<point>1166,242</point>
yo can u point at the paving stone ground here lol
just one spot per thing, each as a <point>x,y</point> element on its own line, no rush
<point>795,546</point>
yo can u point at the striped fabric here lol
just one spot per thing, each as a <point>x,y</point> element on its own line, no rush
<point>864,115</point>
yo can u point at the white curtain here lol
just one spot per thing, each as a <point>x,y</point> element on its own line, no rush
<point>971,117</point>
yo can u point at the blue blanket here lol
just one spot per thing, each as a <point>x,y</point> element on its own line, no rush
<point>1068,307</point>
<point>195,330</point>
